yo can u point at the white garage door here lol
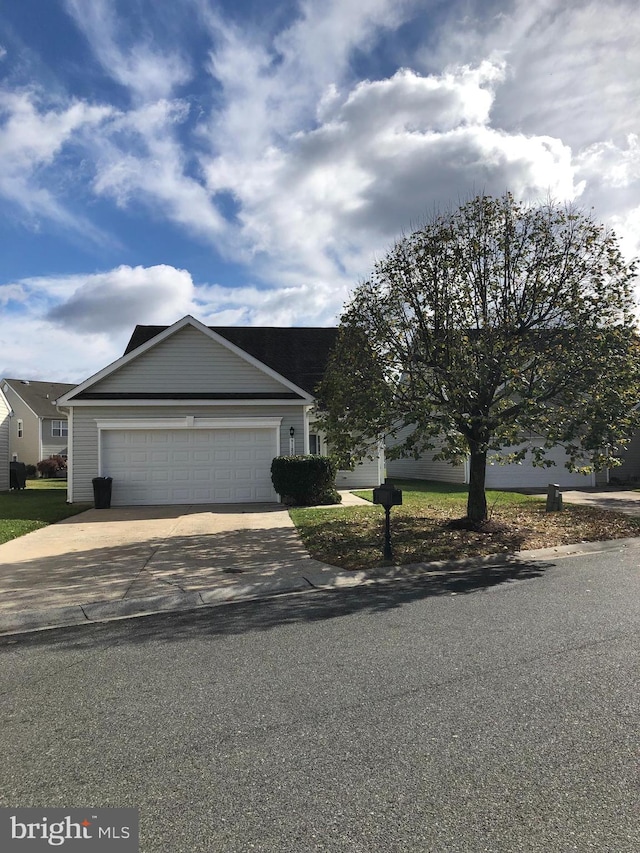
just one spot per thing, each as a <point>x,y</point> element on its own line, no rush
<point>166,466</point>
<point>530,476</point>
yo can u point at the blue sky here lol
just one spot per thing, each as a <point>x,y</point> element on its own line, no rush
<point>246,162</point>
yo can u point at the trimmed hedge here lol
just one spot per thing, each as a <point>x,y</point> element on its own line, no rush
<point>305,480</point>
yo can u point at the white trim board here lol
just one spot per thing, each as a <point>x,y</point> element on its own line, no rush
<point>189,422</point>
<point>158,403</point>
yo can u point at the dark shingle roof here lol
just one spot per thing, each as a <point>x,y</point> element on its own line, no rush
<point>39,396</point>
<point>298,353</point>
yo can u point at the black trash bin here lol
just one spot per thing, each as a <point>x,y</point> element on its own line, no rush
<point>17,475</point>
<point>102,492</point>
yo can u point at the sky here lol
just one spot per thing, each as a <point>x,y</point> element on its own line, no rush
<point>247,162</point>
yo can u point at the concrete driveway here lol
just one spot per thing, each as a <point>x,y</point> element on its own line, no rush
<point>104,556</point>
<point>626,501</point>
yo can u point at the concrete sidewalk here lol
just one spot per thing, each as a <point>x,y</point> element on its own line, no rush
<point>104,564</point>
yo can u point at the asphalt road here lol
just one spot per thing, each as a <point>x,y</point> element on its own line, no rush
<point>495,712</point>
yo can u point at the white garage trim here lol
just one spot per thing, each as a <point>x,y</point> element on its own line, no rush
<point>189,422</point>
<point>149,484</point>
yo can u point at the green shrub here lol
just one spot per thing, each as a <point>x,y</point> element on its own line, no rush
<point>305,480</point>
<point>49,467</point>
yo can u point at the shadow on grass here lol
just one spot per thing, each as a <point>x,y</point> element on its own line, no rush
<point>278,611</point>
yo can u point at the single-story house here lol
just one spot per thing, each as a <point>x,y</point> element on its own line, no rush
<point>505,476</point>
<point>5,454</point>
<point>195,414</point>
<point>38,430</point>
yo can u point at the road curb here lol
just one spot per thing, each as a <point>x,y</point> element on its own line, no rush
<point>323,578</point>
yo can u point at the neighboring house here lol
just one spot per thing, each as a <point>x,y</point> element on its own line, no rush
<point>5,453</point>
<point>629,470</point>
<point>38,429</point>
<point>195,414</point>
<point>510,476</point>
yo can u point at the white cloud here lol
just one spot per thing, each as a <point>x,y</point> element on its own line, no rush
<point>612,175</point>
<point>615,166</point>
<point>326,199</point>
<point>149,72</point>
<point>139,158</point>
<point>322,169</point>
<point>77,324</point>
<point>32,136</point>
<point>106,302</point>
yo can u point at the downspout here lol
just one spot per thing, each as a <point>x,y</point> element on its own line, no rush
<point>305,436</point>
<point>68,414</point>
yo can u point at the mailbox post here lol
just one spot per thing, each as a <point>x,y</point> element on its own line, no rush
<point>387,496</point>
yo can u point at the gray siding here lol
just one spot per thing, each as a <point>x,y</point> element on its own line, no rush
<point>629,471</point>
<point>26,448</point>
<point>85,432</point>
<point>52,445</point>
<point>527,475</point>
<point>365,475</point>
<point>189,361</point>
<point>424,468</point>
<point>5,457</point>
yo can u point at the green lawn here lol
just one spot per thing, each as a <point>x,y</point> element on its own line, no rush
<point>352,537</point>
<point>42,502</point>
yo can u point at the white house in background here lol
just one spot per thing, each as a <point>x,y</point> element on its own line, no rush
<point>510,476</point>
<point>38,430</point>
<point>195,414</point>
<point>5,453</point>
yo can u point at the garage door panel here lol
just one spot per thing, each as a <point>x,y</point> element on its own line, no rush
<point>188,466</point>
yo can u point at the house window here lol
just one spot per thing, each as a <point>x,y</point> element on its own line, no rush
<point>315,444</point>
<point>20,428</point>
<point>59,429</point>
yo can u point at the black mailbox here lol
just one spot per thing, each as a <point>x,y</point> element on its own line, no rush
<point>387,496</point>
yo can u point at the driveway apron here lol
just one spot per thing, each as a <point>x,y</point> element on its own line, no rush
<point>138,552</point>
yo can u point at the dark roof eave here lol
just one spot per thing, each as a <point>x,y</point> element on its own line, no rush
<point>186,395</point>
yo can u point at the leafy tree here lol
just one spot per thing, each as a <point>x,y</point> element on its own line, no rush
<point>491,323</point>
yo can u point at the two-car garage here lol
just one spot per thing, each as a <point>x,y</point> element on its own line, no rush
<point>197,461</point>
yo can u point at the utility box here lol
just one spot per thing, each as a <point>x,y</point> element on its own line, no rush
<point>554,498</point>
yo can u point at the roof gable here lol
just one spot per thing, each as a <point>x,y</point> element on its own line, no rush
<point>39,396</point>
<point>299,354</point>
<point>189,360</point>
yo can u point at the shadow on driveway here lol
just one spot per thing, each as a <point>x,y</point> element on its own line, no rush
<point>267,614</point>
<point>154,566</point>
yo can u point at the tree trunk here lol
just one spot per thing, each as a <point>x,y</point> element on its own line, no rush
<point>477,499</point>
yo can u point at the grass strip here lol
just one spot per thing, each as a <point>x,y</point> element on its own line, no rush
<point>43,502</point>
<point>352,537</point>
